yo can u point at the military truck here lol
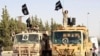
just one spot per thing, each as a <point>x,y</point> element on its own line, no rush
<point>71,40</point>
<point>27,44</point>
<point>31,42</point>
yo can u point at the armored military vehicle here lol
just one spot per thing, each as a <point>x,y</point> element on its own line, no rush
<point>27,44</point>
<point>71,40</point>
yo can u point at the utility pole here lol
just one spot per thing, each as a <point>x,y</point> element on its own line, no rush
<point>88,20</point>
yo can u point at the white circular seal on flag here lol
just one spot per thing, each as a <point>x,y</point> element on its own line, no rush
<point>65,40</point>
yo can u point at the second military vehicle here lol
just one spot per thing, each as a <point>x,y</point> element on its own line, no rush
<point>70,40</point>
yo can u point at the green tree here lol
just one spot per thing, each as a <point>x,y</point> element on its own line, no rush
<point>53,25</point>
<point>20,26</point>
<point>5,27</point>
<point>35,21</point>
<point>12,25</point>
<point>41,26</point>
<point>47,27</point>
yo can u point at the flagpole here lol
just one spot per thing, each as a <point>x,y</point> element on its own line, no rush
<point>63,3</point>
<point>62,12</point>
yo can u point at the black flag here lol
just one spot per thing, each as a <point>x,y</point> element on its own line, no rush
<point>24,9</point>
<point>58,5</point>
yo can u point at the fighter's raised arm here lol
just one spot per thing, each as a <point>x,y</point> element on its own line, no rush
<point>62,10</point>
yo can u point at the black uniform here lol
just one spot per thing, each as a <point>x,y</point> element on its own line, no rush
<point>46,51</point>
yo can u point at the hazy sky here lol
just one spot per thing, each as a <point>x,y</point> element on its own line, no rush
<point>44,9</point>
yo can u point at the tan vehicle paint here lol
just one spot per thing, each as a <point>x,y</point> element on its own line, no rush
<point>27,44</point>
<point>65,47</point>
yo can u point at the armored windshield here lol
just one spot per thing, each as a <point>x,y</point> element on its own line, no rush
<point>67,37</point>
<point>29,38</point>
